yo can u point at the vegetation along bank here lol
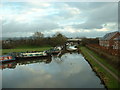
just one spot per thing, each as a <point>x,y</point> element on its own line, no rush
<point>109,79</point>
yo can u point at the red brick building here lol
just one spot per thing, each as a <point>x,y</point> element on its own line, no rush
<point>116,44</point>
<point>110,40</point>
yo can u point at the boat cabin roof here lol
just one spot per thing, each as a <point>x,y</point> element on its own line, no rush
<point>5,55</point>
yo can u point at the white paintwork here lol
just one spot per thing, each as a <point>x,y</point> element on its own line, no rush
<point>71,48</point>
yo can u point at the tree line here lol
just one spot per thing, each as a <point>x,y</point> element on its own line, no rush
<point>37,39</point>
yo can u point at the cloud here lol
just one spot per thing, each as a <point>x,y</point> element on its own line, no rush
<point>99,14</point>
<point>20,29</point>
<point>71,18</point>
<point>67,71</point>
<point>39,4</point>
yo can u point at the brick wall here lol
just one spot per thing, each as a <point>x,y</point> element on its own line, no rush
<point>110,43</point>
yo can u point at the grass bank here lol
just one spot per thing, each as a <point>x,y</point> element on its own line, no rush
<point>107,78</point>
<point>25,48</point>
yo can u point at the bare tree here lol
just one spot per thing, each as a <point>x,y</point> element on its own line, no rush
<point>38,35</point>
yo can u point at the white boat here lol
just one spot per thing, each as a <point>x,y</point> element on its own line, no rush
<point>34,54</point>
<point>71,48</point>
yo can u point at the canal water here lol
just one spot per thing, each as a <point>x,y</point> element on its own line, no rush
<point>71,70</point>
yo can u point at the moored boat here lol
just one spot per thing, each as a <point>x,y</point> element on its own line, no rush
<point>25,55</point>
<point>5,58</point>
<point>71,48</point>
<point>54,51</point>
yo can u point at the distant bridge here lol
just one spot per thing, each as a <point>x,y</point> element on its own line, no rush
<point>74,40</point>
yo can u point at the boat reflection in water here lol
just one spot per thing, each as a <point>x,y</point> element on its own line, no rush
<point>12,65</point>
<point>65,70</point>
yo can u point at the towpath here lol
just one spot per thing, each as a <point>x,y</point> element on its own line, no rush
<point>103,66</point>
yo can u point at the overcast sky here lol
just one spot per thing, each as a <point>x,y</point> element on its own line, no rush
<point>73,19</point>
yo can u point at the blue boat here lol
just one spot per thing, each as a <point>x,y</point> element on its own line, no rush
<point>54,50</point>
<point>5,58</point>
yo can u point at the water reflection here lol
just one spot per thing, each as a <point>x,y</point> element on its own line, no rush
<point>68,71</point>
<point>13,64</point>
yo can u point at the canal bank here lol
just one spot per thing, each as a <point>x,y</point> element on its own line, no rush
<point>70,70</point>
<point>24,49</point>
<point>109,80</point>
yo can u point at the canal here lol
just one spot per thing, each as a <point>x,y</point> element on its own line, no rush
<point>71,70</point>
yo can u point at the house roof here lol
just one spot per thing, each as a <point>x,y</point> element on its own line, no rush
<point>108,36</point>
<point>117,38</point>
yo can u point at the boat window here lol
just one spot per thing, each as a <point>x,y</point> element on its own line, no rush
<point>10,57</point>
<point>5,58</point>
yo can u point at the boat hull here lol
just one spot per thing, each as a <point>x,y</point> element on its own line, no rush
<point>6,58</point>
<point>33,57</point>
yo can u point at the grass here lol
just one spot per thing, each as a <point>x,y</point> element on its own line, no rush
<point>104,62</point>
<point>25,48</point>
<point>109,80</point>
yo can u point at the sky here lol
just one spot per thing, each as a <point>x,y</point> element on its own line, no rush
<point>72,19</point>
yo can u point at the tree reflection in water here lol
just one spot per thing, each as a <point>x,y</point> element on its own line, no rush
<point>59,59</point>
<point>65,71</point>
<point>13,64</point>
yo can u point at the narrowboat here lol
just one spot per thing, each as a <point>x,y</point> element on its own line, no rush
<point>28,55</point>
<point>5,58</point>
<point>54,51</point>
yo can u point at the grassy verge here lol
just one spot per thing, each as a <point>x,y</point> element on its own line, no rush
<point>104,62</point>
<point>109,80</point>
<point>109,61</point>
<point>25,48</point>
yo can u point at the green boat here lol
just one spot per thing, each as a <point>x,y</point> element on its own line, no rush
<point>25,55</point>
